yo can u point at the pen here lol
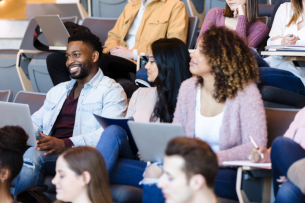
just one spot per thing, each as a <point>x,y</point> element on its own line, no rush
<point>292,35</point>
<point>255,145</point>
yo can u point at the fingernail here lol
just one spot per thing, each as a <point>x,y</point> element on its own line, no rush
<point>290,35</point>
<point>299,38</point>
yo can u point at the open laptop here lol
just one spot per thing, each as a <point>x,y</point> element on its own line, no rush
<point>54,31</point>
<point>18,114</point>
<point>152,138</point>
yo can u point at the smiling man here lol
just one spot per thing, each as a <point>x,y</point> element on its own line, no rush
<point>190,167</point>
<point>66,119</point>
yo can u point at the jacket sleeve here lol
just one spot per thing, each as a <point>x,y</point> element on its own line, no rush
<point>114,106</point>
<point>181,108</point>
<point>252,122</point>
<point>115,35</point>
<point>178,22</point>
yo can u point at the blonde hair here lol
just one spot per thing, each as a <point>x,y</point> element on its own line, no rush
<point>297,6</point>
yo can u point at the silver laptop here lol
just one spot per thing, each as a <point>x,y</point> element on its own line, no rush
<point>18,114</point>
<point>54,31</point>
<point>152,138</point>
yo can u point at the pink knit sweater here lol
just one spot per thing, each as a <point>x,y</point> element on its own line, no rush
<point>243,115</point>
<point>252,34</point>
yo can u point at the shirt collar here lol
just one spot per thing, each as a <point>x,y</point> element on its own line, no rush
<point>141,1</point>
<point>93,82</point>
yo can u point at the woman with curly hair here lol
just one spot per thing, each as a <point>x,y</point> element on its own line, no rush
<point>221,104</point>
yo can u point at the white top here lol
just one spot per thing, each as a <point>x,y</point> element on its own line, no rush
<point>130,38</point>
<point>279,28</point>
<point>207,128</point>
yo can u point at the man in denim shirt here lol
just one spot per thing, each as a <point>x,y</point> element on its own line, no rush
<point>66,119</point>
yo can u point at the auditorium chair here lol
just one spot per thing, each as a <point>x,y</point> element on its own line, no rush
<point>108,8</point>
<point>6,95</point>
<point>278,122</point>
<point>37,70</point>
<point>279,98</point>
<point>33,99</point>
<point>9,78</point>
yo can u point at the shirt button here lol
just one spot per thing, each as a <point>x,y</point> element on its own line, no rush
<point>78,109</point>
<point>83,94</point>
<point>75,125</point>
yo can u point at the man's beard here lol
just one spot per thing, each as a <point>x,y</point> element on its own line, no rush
<point>84,70</point>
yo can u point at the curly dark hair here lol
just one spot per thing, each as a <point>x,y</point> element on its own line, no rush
<point>232,62</point>
<point>89,38</point>
<point>172,59</point>
<point>12,146</point>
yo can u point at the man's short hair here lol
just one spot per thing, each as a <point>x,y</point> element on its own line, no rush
<point>198,158</point>
<point>89,38</point>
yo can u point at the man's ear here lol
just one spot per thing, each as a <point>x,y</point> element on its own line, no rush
<point>86,178</point>
<point>95,56</point>
<point>4,174</point>
<point>197,182</point>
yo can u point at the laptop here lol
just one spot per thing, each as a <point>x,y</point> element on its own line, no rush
<point>152,138</point>
<point>54,31</point>
<point>18,114</point>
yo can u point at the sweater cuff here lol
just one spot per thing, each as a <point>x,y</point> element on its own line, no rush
<point>68,143</point>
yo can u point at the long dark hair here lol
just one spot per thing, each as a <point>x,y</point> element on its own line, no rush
<point>172,59</point>
<point>82,159</point>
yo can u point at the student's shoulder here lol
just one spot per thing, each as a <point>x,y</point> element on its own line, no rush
<point>189,84</point>
<point>109,83</point>
<point>216,11</point>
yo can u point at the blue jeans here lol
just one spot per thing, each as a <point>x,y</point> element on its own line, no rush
<point>225,187</point>
<point>281,161</point>
<point>281,79</point>
<point>122,166</point>
<point>36,165</point>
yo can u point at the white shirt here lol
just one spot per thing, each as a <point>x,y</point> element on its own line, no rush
<point>130,38</point>
<point>279,28</point>
<point>207,128</point>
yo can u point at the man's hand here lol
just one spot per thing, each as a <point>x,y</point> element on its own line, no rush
<point>122,52</point>
<point>53,144</point>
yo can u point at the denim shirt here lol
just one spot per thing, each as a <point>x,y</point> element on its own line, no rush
<point>101,96</point>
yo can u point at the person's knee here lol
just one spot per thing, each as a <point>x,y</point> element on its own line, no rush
<point>31,158</point>
<point>153,171</point>
<point>116,132</point>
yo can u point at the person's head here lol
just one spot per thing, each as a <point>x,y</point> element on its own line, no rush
<point>80,172</point>
<point>190,167</point>
<point>168,67</point>
<point>251,8</point>
<point>82,54</point>
<point>12,145</point>
<point>297,6</point>
<point>222,55</point>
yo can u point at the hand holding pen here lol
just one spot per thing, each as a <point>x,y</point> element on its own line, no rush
<point>289,39</point>
<point>258,154</point>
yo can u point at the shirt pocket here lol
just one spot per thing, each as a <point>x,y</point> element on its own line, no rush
<point>157,29</point>
<point>87,118</point>
<point>48,105</point>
